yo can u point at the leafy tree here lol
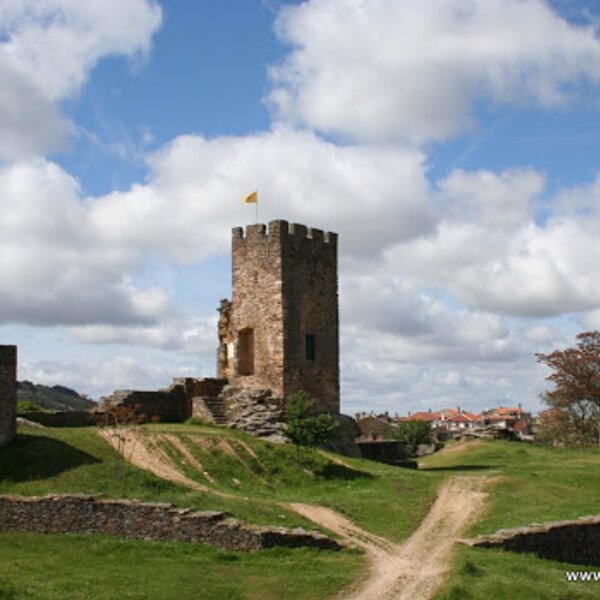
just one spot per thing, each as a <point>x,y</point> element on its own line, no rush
<point>576,393</point>
<point>411,434</point>
<point>303,427</point>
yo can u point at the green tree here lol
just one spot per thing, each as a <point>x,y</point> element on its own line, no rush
<point>576,393</point>
<point>411,434</point>
<point>303,427</point>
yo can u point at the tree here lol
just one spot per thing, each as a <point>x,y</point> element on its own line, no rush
<point>576,393</point>
<point>119,422</point>
<point>411,434</point>
<point>303,427</point>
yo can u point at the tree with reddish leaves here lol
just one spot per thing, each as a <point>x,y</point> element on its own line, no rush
<point>576,393</point>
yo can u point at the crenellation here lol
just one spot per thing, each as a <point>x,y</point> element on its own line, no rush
<point>257,230</point>
<point>330,238</point>
<point>315,234</point>
<point>298,231</point>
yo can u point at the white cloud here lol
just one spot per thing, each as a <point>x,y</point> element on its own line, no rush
<point>56,268</point>
<point>488,250</point>
<point>399,69</point>
<point>194,194</point>
<point>100,377</point>
<point>47,50</point>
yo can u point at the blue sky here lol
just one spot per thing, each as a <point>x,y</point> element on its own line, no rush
<point>452,145</point>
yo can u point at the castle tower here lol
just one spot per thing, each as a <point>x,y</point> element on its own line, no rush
<point>8,393</point>
<point>280,329</point>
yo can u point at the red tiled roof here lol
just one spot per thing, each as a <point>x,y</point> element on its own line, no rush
<point>421,416</point>
<point>464,418</point>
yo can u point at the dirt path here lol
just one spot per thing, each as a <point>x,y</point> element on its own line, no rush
<point>413,570</point>
<point>146,454</point>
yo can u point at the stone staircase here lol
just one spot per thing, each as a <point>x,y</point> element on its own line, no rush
<point>216,407</point>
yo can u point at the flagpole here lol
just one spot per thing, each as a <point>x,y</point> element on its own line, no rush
<point>256,207</point>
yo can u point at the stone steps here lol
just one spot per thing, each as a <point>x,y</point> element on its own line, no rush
<point>216,406</point>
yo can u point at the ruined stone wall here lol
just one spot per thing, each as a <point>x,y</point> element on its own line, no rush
<point>78,513</point>
<point>575,541</point>
<point>71,418</point>
<point>168,406</point>
<point>284,283</point>
<point>8,393</point>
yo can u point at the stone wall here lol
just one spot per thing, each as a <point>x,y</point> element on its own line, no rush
<point>576,541</point>
<point>80,513</point>
<point>255,411</point>
<point>167,406</point>
<point>8,393</point>
<point>284,284</point>
<point>71,418</point>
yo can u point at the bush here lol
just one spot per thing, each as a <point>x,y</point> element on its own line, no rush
<point>303,427</point>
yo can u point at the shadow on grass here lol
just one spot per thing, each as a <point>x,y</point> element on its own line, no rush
<point>337,471</point>
<point>459,468</point>
<point>31,457</point>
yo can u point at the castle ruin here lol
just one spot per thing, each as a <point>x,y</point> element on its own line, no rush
<point>280,329</point>
<point>278,335</point>
<point>8,393</point>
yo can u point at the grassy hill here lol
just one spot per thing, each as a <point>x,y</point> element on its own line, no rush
<point>33,396</point>
<point>529,484</point>
<point>526,484</point>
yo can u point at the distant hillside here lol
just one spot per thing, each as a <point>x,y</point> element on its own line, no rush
<point>56,397</point>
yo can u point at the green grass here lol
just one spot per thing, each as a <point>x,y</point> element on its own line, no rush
<point>383,499</point>
<point>68,460</point>
<point>481,574</point>
<point>53,567</point>
<point>529,483</point>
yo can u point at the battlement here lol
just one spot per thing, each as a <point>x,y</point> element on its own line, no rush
<point>282,230</point>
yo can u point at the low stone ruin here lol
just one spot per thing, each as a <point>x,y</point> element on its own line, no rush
<point>82,513</point>
<point>575,541</point>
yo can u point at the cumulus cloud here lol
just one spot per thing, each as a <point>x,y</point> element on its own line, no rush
<point>47,50</point>
<point>398,69</point>
<point>488,249</point>
<point>442,283</point>
<point>100,377</point>
<point>194,193</point>
<point>56,268</point>
<point>73,260</point>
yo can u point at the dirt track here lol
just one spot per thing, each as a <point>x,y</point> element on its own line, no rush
<point>413,570</point>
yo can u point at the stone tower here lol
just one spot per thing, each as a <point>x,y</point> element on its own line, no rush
<point>280,330</point>
<point>8,393</point>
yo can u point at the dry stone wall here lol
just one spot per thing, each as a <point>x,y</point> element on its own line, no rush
<point>8,393</point>
<point>576,541</point>
<point>78,513</point>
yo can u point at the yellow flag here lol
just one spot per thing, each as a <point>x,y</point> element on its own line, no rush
<point>251,198</point>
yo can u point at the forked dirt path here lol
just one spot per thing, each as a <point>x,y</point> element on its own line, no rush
<point>413,570</point>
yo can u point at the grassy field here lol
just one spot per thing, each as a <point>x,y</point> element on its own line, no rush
<point>259,476</point>
<point>386,500</point>
<point>81,567</point>
<point>484,574</point>
<point>528,484</point>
